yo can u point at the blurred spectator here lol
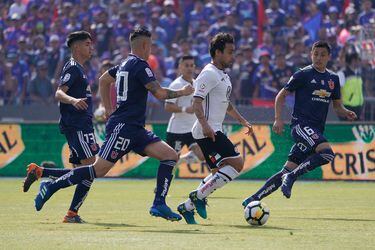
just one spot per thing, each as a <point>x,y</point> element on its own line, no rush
<point>20,71</point>
<point>17,8</point>
<point>264,78</point>
<point>367,14</point>
<point>40,88</point>
<point>170,22</point>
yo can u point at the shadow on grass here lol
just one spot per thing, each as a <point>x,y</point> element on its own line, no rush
<point>179,231</point>
<point>330,219</point>
<point>110,225</point>
<point>248,227</point>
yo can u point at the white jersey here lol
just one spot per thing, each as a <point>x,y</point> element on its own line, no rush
<point>214,86</point>
<point>181,123</point>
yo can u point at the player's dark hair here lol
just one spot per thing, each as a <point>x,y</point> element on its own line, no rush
<point>77,36</point>
<point>219,41</point>
<point>184,58</point>
<point>322,44</point>
<point>141,31</point>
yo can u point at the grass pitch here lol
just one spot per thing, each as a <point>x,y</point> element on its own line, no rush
<point>320,215</point>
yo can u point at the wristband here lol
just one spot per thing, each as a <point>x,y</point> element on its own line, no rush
<point>183,109</point>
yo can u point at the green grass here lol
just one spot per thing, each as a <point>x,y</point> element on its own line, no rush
<point>320,215</point>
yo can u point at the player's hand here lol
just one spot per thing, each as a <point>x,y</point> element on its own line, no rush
<point>80,103</point>
<point>190,110</point>
<point>208,132</point>
<point>249,127</point>
<point>350,115</point>
<point>278,127</point>
<point>187,90</point>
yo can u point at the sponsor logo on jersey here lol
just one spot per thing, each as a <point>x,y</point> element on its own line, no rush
<point>149,72</point>
<point>322,93</point>
<point>331,84</point>
<point>66,77</point>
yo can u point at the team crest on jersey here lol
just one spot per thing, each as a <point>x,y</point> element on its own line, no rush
<point>66,77</point>
<point>331,84</point>
<point>114,155</point>
<point>149,72</point>
<point>93,147</point>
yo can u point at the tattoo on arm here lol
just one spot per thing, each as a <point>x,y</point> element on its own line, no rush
<point>171,94</point>
<point>153,87</point>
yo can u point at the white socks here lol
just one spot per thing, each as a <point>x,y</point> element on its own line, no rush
<point>188,204</point>
<point>225,175</point>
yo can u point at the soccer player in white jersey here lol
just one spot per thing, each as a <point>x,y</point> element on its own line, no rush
<point>183,117</point>
<point>211,102</point>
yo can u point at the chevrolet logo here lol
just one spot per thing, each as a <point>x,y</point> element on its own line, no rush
<point>322,93</point>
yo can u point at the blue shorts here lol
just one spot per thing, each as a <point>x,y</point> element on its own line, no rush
<point>306,139</point>
<point>120,139</point>
<point>82,145</point>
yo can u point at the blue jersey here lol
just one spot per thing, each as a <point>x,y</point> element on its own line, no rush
<point>71,118</point>
<point>313,94</point>
<point>131,77</point>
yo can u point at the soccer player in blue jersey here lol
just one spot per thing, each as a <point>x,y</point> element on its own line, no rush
<point>315,87</point>
<point>125,127</point>
<point>76,112</point>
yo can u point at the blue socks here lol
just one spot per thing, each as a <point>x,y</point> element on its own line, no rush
<point>80,195</point>
<point>164,179</point>
<point>271,185</point>
<point>54,173</point>
<point>73,177</point>
<point>318,159</point>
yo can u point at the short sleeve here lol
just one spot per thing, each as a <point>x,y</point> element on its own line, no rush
<point>144,73</point>
<point>174,86</point>
<point>295,82</point>
<point>113,71</point>
<point>336,89</point>
<point>341,78</point>
<point>69,76</point>
<point>204,83</point>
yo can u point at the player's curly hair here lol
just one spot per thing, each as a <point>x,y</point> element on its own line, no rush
<point>218,42</point>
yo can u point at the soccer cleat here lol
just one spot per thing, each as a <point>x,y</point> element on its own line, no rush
<point>199,204</point>
<point>286,186</point>
<point>34,172</point>
<point>72,217</point>
<point>247,201</point>
<point>165,212</point>
<point>43,195</point>
<point>188,215</point>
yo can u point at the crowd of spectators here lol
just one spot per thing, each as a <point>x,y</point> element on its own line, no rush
<point>273,39</point>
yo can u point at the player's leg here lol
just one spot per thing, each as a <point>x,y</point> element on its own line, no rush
<point>220,155</point>
<point>295,157</point>
<point>323,155</point>
<point>114,147</point>
<point>319,151</point>
<point>168,158</point>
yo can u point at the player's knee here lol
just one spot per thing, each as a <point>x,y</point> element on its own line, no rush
<point>236,163</point>
<point>171,155</point>
<point>88,161</point>
<point>327,155</point>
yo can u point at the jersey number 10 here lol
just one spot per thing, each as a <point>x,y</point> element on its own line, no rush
<point>122,85</point>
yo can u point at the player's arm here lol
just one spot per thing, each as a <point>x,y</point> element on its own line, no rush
<point>199,113</point>
<point>105,82</point>
<point>62,96</point>
<point>342,111</point>
<point>278,125</point>
<point>174,108</point>
<point>233,112</point>
<point>165,93</point>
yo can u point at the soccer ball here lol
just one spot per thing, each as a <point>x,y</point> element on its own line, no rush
<point>256,213</point>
